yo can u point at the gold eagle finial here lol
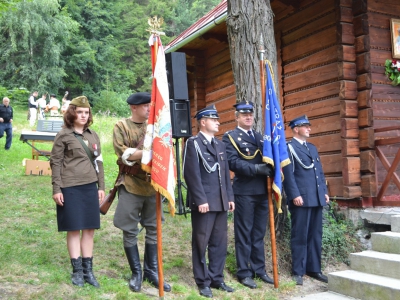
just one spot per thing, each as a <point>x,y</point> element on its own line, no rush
<point>155,25</point>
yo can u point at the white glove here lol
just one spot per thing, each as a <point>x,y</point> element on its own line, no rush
<point>127,153</point>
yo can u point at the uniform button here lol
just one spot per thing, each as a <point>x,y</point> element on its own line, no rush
<point>316,176</point>
<point>315,169</point>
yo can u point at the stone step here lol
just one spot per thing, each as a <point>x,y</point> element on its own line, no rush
<point>323,296</point>
<point>378,215</point>
<point>378,263</point>
<point>387,241</point>
<point>395,223</point>
<point>364,286</point>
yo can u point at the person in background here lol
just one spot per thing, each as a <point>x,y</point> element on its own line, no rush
<point>54,106</point>
<point>65,103</point>
<point>32,104</point>
<point>42,105</point>
<point>210,197</point>
<point>307,194</point>
<point>6,119</point>
<point>136,195</point>
<point>78,187</point>
<point>244,150</point>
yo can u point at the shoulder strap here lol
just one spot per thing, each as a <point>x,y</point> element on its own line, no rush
<point>89,154</point>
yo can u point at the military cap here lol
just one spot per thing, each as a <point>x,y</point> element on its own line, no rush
<point>80,101</point>
<point>53,95</point>
<point>244,106</point>
<point>299,121</point>
<point>139,98</point>
<point>207,112</point>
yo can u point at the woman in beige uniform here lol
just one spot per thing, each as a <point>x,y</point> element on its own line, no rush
<point>78,186</point>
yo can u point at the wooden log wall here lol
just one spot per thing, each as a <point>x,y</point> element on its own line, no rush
<point>319,80</point>
<point>378,101</point>
<point>210,81</point>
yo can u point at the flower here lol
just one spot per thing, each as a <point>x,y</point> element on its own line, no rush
<point>392,71</point>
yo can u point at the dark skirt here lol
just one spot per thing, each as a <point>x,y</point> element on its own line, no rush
<point>81,208</point>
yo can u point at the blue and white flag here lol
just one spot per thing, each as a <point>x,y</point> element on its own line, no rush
<point>275,149</point>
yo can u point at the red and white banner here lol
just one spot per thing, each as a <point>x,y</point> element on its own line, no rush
<point>158,151</point>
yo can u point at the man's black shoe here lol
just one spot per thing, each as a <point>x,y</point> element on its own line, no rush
<point>265,278</point>
<point>222,286</point>
<point>317,275</point>
<point>247,281</point>
<point>206,292</point>
<point>298,279</point>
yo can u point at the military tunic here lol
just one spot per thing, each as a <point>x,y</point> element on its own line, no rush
<point>128,134</point>
<point>251,201</point>
<point>304,177</point>
<point>70,163</point>
<point>136,195</point>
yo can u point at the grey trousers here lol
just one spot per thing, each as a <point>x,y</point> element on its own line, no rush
<point>134,209</point>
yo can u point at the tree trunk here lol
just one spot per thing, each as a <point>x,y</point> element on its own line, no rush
<point>249,22</point>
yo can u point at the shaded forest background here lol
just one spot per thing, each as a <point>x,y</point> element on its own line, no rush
<point>98,48</point>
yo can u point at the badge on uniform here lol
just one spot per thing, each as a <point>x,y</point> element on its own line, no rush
<point>239,139</point>
<point>248,151</point>
<point>95,150</point>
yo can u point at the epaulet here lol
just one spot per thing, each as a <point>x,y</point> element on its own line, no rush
<point>227,133</point>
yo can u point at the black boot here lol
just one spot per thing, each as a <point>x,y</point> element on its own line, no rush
<point>77,272</point>
<point>150,266</point>
<point>88,276</point>
<point>132,253</point>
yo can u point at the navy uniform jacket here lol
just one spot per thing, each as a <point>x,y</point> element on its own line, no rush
<point>204,187</point>
<point>307,183</point>
<point>246,182</point>
<point>6,112</point>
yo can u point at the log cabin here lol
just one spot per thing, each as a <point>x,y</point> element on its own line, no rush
<point>331,56</point>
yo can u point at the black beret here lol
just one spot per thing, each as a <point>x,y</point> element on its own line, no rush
<point>139,98</point>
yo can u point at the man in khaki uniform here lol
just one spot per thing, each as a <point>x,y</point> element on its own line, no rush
<point>136,196</point>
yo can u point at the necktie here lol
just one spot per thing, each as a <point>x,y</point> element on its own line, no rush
<point>213,144</point>
<point>305,145</point>
<point>250,133</point>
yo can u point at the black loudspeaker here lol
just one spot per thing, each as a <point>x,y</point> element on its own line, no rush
<point>180,118</point>
<point>176,74</point>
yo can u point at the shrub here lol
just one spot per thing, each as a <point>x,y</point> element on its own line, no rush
<point>338,238</point>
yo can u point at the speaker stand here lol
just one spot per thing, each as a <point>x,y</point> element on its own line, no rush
<point>181,206</point>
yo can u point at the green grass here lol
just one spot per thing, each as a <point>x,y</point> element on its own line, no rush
<point>34,262</point>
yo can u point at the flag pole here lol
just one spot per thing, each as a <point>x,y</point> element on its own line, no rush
<point>158,205</point>
<point>269,179</point>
